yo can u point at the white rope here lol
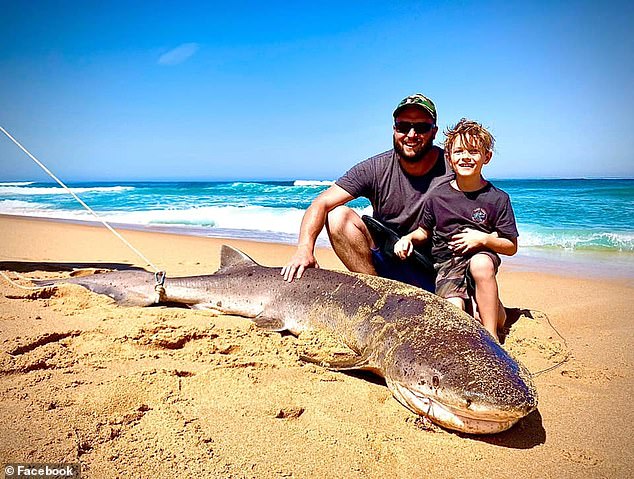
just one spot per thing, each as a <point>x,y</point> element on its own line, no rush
<point>17,285</point>
<point>101,220</point>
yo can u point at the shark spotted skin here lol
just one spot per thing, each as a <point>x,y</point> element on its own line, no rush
<point>437,361</point>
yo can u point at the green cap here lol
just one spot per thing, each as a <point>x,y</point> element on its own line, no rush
<point>420,100</point>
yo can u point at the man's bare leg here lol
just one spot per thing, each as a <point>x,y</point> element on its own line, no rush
<point>350,239</point>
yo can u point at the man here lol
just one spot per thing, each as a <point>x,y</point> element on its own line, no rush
<point>396,183</point>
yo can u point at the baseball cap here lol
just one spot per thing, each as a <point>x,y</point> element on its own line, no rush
<point>420,100</point>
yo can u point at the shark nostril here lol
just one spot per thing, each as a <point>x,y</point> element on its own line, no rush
<point>435,381</point>
<point>468,402</point>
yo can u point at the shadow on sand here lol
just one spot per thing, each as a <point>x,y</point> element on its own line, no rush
<point>526,434</point>
<point>512,316</point>
<point>30,266</point>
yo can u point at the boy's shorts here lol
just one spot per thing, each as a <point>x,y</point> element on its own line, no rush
<point>454,280</point>
<point>392,267</point>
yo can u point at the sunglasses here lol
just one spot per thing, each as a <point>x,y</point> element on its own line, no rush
<point>419,128</point>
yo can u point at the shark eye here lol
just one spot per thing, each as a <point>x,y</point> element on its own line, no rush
<point>468,402</point>
<point>435,381</point>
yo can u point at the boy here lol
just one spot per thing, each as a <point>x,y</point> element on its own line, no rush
<point>469,222</point>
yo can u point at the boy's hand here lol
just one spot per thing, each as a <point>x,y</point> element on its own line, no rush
<point>467,241</point>
<point>403,247</point>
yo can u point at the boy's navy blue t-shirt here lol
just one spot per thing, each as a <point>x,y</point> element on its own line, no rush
<point>448,211</point>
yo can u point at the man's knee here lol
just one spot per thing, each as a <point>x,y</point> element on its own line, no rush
<point>350,239</point>
<point>344,222</point>
<point>338,217</point>
<point>482,267</point>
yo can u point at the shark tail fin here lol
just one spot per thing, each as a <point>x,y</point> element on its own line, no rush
<point>127,288</point>
<point>231,257</point>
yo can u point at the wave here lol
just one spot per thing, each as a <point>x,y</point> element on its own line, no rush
<point>52,190</point>
<point>16,183</point>
<point>312,183</point>
<point>17,207</point>
<point>284,221</point>
<point>237,184</point>
<point>622,241</point>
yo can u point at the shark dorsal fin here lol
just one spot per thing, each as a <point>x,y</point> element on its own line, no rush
<point>231,257</point>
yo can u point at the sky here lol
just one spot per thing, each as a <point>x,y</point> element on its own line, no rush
<point>128,91</point>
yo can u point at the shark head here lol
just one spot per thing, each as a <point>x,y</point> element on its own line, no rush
<point>469,384</point>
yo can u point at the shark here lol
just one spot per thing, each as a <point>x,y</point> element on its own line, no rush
<point>437,361</point>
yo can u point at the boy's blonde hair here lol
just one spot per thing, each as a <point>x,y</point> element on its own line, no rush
<point>473,134</point>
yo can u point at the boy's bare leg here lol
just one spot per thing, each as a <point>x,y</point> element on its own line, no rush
<point>350,239</point>
<point>472,308</point>
<point>487,297</point>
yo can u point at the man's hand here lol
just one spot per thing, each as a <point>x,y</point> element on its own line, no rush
<point>312,223</point>
<point>303,258</point>
<point>403,247</point>
<point>468,241</point>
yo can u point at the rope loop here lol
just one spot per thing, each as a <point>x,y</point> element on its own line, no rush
<point>159,287</point>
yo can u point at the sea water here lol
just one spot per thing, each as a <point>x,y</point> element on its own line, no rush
<point>554,216</point>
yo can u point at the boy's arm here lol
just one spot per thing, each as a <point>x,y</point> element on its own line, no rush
<point>404,246</point>
<point>473,240</point>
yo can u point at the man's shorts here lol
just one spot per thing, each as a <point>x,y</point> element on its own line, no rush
<point>392,267</point>
<point>454,280</point>
<point>417,270</point>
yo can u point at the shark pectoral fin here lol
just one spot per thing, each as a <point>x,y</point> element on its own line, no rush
<point>269,324</point>
<point>339,362</point>
<point>208,307</point>
<point>330,351</point>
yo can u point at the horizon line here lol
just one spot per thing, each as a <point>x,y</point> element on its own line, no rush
<point>222,180</point>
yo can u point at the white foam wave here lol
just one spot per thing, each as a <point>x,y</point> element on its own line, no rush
<point>578,240</point>
<point>17,207</point>
<point>284,220</point>
<point>251,218</point>
<point>16,183</point>
<point>312,182</point>
<point>45,190</point>
<point>240,184</point>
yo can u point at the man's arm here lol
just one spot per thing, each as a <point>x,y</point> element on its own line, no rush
<point>312,223</point>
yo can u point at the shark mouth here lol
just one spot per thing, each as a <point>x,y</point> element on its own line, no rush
<point>490,421</point>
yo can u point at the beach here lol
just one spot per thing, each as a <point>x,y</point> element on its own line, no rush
<point>169,392</point>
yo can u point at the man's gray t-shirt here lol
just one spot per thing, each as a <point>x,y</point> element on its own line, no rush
<point>396,197</point>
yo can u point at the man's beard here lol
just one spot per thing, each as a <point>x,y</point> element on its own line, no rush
<point>418,156</point>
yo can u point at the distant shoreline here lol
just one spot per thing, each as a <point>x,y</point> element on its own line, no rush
<point>588,264</point>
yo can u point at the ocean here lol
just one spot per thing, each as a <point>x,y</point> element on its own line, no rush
<point>557,218</point>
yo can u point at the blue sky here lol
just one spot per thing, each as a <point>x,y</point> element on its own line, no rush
<point>303,90</point>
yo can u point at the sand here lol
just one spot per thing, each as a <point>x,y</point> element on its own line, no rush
<point>168,392</point>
